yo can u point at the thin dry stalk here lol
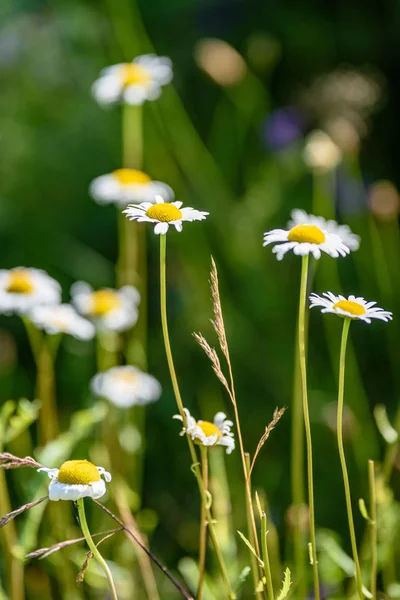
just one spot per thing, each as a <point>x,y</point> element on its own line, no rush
<point>150,554</point>
<point>278,413</point>
<point>45,552</point>
<point>219,327</point>
<point>9,461</point>
<point>89,555</point>
<point>213,356</point>
<point>218,321</point>
<point>143,559</point>
<point>18,511</point>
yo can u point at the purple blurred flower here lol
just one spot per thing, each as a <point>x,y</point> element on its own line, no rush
<point>281,128</point>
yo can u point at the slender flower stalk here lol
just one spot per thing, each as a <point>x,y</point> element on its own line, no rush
<point>265,556</point>
<point>94,549</point>
<point>44,349</point>
<point>298,479</point>
<point>203,525</point>
<point>345,333</point>
<point>132,158</point>
<point>303,373</point>
<point>132,268</point>
<point>205,500</point>
<point>256,569</point>
<point>246,462</point>
<point>373,525</point>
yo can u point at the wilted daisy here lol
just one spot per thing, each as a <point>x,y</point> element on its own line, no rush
<point>217,433</point>
<point>77,479</point>
<point>134,82</point>
<point>164,214</point>
<point>62,318</point>
<point>23,288</point>
<point>352,307</point>
<point>128,185</point>
<point>114,310</point>
<point>311,237</point>
<point>350,239</point>
<point>126,386</point>
<point>321,153</point>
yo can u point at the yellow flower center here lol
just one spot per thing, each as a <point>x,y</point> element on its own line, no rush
<point>131,176</point>
<point>351,307</point>
<point>133,74</point>
<point>125,376</point>
<point>306,233</point>
<point>103,301</point>
<point>164,212</point>
<point>209,429</point>
<point>20,282</point>
<point>78,472</point>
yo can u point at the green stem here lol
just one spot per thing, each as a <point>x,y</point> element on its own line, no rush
<point>132,158</point>
<point>106,350</point>
<point>195,465</point>
<point>44,349</point>
<point>93,547</point>
<point>303,373</point>
<point>45,389</point>
<point>203,525</point>
<point>265,556</point>
<point>132,270</point>
<point>345,334</point>
<point>256,568</point>
<point>297,480</point>
<point>373,525</point>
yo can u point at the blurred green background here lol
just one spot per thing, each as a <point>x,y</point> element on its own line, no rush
<point>228,136</point>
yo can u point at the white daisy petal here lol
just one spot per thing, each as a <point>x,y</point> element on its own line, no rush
<point>125,186</point>
<point>126,386</point>
<point>217,433</point>
<point>110,310</point>
<point>350,239</point>
<point>107,89</point>
<point>161,228</point>
<point>311,236</point>
<point>164,214</point>
<point>21,289</point>
<point>352,307</point>
<point>62,318</point>
<point>77,479</point>
<point>134,83</point>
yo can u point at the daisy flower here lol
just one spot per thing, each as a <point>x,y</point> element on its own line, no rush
<point>134,82</point>
<point>128,185</point>
<point>321,153</point>
<point>76,479</point>
<point>311,237</point>
<point>126,386</point>
<point>352,307</point>
<point>217,433</point>
<point>112,310</point>
<point>23,288</point>
<point>62,318</point>
<point>164,214</point>
<point>350,239</point>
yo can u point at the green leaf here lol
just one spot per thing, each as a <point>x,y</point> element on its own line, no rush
<point>243,575</point>
<point>250,547</point>
<point>26,413</point>
<point>363,510</point>
<point>286,585</point>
